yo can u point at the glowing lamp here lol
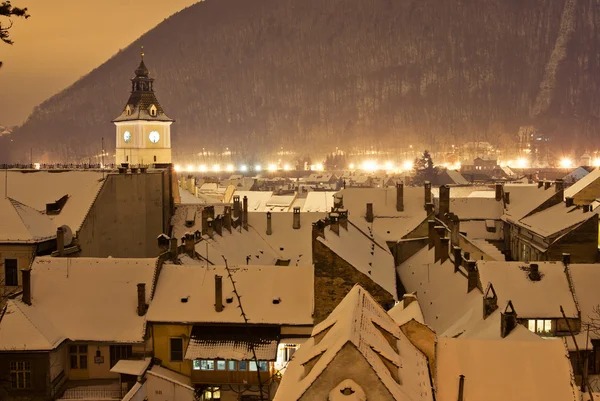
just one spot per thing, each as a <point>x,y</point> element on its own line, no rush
<point>257,167</point>
<point>190,167</point>
<point>243,168</point>
<point>272,167</point>
<point>566,163</point>
<point>408,165</point>
<point>230,167</point>
<point>216,168</point>
<point>596,163</point>
<point>351,166</point>
<point>287,167</point>
<point>177,168</point>
<point>203,168</point>
<point>369,165</point>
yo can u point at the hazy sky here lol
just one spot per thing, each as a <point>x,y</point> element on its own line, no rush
<point>65,39</point>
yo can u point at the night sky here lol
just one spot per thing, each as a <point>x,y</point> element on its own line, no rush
<point>65,39</point>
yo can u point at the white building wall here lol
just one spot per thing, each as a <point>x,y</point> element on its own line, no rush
<point>159,389</point>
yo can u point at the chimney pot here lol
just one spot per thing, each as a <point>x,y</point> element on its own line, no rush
<point>566,259</point>
<point>141,299</point>
<point>559,185</point>
<point>461,387</point>
<point>547,184</point>
<point>540,184</point>
<point>534,272</point>
<point>60,241</point>
<point>427,192</point>
<point>508,320</point>
<point>236,206</point>
<point>408,299</point>
<point>26,281</point>
<point>399,197</point>
<point>490,301</point>
<point>218,293</point>
<point>456,253</point>
<point>269,227</point>
<point>190,245</point>
<point>173,251</point>
<point>498,192</point>
<point>296,218</point>
<point>444,202</point>
<point>369,215</point>
<point>586,208</point>
<point>245,213</point>
<point>472,276</point>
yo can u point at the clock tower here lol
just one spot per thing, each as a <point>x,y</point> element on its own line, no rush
<point>143,128</point>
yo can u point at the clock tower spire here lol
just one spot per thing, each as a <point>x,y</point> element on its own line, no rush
<point>143,128</point>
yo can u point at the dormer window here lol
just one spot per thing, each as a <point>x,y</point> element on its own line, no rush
<point>152,110</point>
<point>128,110</point>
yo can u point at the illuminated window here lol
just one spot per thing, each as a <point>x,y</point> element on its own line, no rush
<point>20,374</point>
<point>203,364</point>
<point>243,366</point>
<point>540,326</point>
<point>176,349</point>
<point>262,365</point>
<point>153,110</point>
<point>221,365</point>
<point>231,366</point>
<point>212,393</point>
<point>78,356</point>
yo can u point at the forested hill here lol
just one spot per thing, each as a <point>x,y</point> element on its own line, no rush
<point>262,74</point>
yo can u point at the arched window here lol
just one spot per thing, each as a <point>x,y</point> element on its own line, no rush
<point>152,110</point>
<point>128,110</point>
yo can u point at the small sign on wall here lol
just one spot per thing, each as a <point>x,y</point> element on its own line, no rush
<point>99,360</point>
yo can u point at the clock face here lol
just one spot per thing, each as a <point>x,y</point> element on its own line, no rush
<point>154,136</point>
<point>127,136</point>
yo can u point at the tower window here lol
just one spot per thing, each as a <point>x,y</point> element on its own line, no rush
<point>153,110</point>
<point>155,158</point>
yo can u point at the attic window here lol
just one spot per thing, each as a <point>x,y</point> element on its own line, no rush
<point>319,336</point>
<point>276,301</point>
<point>282,262</point>
<point>391,367</point>
<point>128,110</point>
<point>389,337</point>
<point>184,300</point>
<point>152,110</point>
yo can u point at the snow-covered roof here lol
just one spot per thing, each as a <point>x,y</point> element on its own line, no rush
<point>402,315</point>
<point>24,328</point>
<point>38,188</point>
<point>360,322</point>
<point>531,299</point>
<point>584,182</point>
<point>585,278</point>
<point>556,219</point>
<point>257,200</point>
<point>318,201</point>
<point>131,367</point>
<point>169,375</point>
<point>524,199</point>
<point>463,191</point>
<point>255,247</point>
<point>22,224</point>
<point>456,177</point>
<point>441,292</point>
<point>186,198</point>
<point>365,252</point>
<point>500,370</point>
<point>280,203</point>
<point>389,224</point>
<point>85,299</point>
<point>471,208</point>
<point>186,293</point>
<point>576,175</point>
<point>487,248</point>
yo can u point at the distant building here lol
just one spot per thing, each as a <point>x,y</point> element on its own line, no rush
<point>143,128</point>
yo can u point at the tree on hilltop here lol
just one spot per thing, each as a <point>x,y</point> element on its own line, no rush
<point>8,10</point>
<point>424,169</point>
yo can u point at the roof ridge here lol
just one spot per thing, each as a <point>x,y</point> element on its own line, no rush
<point>16,304</point>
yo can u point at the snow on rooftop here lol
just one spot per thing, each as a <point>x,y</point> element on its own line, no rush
<point>68,293</point>
<point>24,328</point>
<point>580,185</point>
<point>500,370</point>
<point>131,367</point>
<point>471,208</point>
<point>531,299</point>
<point>556,219</point>
<point>464,191</point>
<point>487,248</point>
<point>402,315</point>
<point>186,293</point>
<point>22,224</point>
<point>441,292</point>
<point>524,199</point>
<point>389,224</point>
<point>359,321</point>
<point>364,252</point>
<point>189,199</point>
<point>173,377</point>
<point>585,278</point>
<point>318,201</point>
<point>257,200</point>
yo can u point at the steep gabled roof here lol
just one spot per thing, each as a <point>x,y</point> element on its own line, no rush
<point>25,329</point>
<point>583,183</point>
<point>500,370</point>
<point>359,321</point>
<point>22,224</point>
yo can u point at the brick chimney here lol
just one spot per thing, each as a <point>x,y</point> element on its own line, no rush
<point>190,245</point>
<point>227,219</point>
<point>559,185</point>
<point>427,193</point>
<point>141,299</point>
<point>245,213</point>
<point>461,387</point>
<point>490,301</point>
<point>540,184</point>
<point>444,249</point>
<point>547,184</point>
<point>218,225</point>
<point>472,276</point>
<point>507,198</point>
<point>508,320</point>
<point>586,208</point>
<point>236,206</point>
<point>534,272</point>
<point>60,241</point>
<point>296,218</point>
<point>456,253</point>
<point>444,202</point>
<point>205,216</point>
<point>334,222</point>
<point>566,259</point>
<point>269,226</point>
<point>26,281</point>
<point>163,243</point>
<point>440,232</point>
<point>369,214</point>
<point>343,219</point>
<point>218,293</point>
<point>399,197</point>
<point>211,227</point>
<point>431,234</point>
<point>173,252</point>
<point>498,192</point>
<point>429,208</point>
<point>454,223</point>
<point>568,201</point>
